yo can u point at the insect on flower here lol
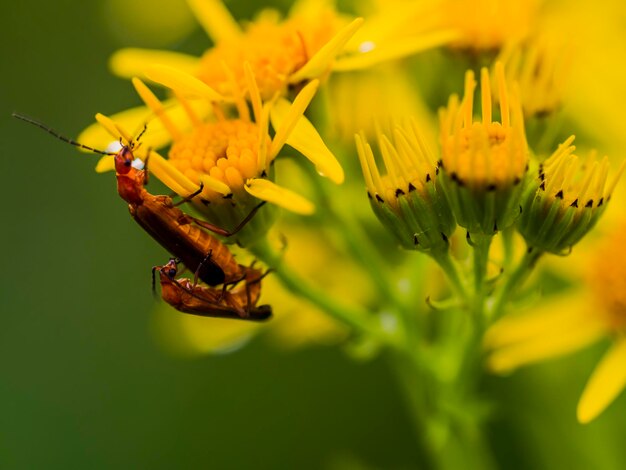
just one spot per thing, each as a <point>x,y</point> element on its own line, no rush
<point>188,297</point>
<point>182,235</point>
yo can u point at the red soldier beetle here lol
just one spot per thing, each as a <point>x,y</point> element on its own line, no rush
<point>184,236</point>
<point>188,297</point>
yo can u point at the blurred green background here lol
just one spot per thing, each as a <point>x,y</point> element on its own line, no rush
<point>83,382</point>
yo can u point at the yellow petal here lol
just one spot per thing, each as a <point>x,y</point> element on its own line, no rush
<point>322,59</point>
<point>290,117</point>
<point>215,19</point>
<point>606,382</point>
<point>157,108</point>
<point>134,118</point>
<point>215,184</point>
<point>546,319</point>
<point>567,339</point>
<point>170,175</point>
<point>282,197</point>
<point>114,129</point>
<point>305,138</point>
<point>182,82</point>
<point>394,50</point>
<point>133,62</point>
<point>106,163</point>
<point>253,91</point>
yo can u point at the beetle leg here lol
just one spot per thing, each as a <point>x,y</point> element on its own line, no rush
<point>190,196</point>
<point>197,273</point>
<point>223,232</point>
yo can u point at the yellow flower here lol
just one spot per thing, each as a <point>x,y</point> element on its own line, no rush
<point>484,162</point>
<point>567,324</point>
<point>357,100</point>
<point>231,157</point>
<point>395,29</point>
<point>280,53</point>
<point>566,200</point>
<point>540,66</point>
<point>400,28</point>
<point>408,199</point>
<point>488,24</point>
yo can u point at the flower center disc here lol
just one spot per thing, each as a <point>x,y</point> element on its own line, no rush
<point>225,150</point>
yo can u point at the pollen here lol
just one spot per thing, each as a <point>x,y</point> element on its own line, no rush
<point>225,150</point>
<point>484,155</point>
<point>274,51</point>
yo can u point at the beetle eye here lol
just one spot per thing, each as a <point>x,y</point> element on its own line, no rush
<point>127,162</point>
<point>171,273</point>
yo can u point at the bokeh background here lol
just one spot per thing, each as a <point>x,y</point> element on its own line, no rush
<point>84,383</point>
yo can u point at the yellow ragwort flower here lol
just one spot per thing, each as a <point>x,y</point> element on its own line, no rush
<point>564,325</point>
<point>484,162</point>
<point>231,157</point>
<point>488,24</point>
<point>401,28</point>
<point>281,53</point>
<point>566,199</point>
<point>407,199</point>
<point>540,66</point>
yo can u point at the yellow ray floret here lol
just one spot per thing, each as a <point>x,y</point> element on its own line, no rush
<point>575,183</point>
<point>223,153</point>
<point>305,138</point>
<point>293,113</point>
<point>408,161</point>
<point>321,61</point>
<point>606,382</point>
<point>156,136</point>
<point>485,154</point>
<point>132,62</point>
<point>216,20</point>
<point>558,328</point>
<point>186,84</point>
<point>285,198</point>
<point>372,54</point>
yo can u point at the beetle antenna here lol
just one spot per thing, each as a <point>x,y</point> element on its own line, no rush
<point>51,131</point>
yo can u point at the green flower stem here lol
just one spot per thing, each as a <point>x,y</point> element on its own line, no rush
<point>355,241</point>
<point>508,246</point>
<point>481,244</point>
<point>356,318</point>
<point>514,280</point>
<point>413,380</point>
<point>446,439</point>
<point>365,253</point>
<point>447,264</point>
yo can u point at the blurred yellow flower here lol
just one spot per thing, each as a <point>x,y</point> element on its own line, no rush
<point>577,319</point>
<point>400,28</point>
<point>281,53</point>
<point>356,101</point>
<point>540,66</point>
<point>488,24</point>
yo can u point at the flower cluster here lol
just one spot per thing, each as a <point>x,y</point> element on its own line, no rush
<point>485,193</point>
